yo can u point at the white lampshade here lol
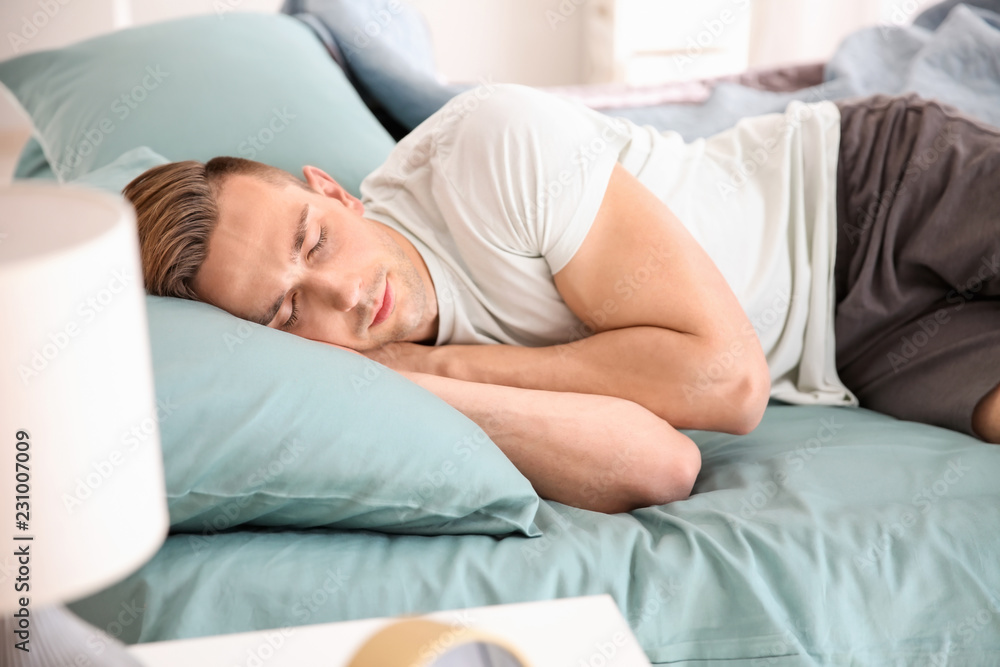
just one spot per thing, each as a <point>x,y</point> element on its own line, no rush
<point>76,376</point>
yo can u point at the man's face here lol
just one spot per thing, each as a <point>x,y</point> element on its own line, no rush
<point>352,282</point>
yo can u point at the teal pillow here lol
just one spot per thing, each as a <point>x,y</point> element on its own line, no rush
<point>262,427</point>
<point>259,86</point>
<point>115,176</point>
<point>265,428</point>
<point>32,163</point>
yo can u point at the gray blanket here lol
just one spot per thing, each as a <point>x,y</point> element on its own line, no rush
<point>951,53</point>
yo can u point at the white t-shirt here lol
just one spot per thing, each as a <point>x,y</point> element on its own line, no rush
<point>498,189</point>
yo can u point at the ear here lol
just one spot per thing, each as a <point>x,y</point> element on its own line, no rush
<point>322,182</point>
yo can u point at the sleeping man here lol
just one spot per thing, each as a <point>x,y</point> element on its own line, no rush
<point>583,287</point>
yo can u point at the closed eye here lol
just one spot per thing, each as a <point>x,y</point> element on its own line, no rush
<point>293,318</point>
<point>319,243</point>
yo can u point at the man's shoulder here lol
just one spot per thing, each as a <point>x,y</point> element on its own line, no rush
<point>498,111</point>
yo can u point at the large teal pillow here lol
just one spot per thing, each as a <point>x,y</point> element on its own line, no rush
<point>115,176</point>
<point>265,428</point>
<point>259,86</point>
<point>262,427</point>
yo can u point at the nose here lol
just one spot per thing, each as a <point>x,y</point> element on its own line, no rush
<point>339,290</point>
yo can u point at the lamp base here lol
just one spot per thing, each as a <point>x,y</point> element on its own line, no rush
<point>59,638</point>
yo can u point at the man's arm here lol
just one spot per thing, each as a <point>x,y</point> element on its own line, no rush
<point>669,333</point>
<point>591,451</point>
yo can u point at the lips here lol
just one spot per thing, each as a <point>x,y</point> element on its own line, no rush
<point>387,303</point>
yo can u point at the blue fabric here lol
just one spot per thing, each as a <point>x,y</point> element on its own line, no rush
<point>828,536</point>
<point>259,86</point>
<point>389,55</point>
<point>115,176</point>
<point>953,57</point>
<point>32,163</point>
<point>934,15</point>
<point>952,53</point>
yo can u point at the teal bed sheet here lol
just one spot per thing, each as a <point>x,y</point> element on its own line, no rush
<point>828,536</point>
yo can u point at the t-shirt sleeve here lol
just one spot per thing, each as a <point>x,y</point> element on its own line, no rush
<point>527,169</point>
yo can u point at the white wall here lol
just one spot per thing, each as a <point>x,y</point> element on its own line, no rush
<point>35,25</point>
<point>520,41</point>
<point>517,41</point>
<point>787,31</point>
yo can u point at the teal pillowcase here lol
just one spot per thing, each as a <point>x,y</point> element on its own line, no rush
<point>258,86</point>
<point>262,427</point>
<point>115,176</point>
<point>32,163</point>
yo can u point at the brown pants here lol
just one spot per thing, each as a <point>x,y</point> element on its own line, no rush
<point>918,259</point>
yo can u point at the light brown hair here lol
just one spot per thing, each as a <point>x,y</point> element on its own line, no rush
<point>176,208</point>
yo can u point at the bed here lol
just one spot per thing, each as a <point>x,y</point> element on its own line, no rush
<point>827,536</point>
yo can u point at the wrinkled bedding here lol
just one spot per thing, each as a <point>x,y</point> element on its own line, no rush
<point>951,53</point>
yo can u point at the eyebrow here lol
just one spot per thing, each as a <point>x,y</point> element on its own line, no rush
<point>299,239</point>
